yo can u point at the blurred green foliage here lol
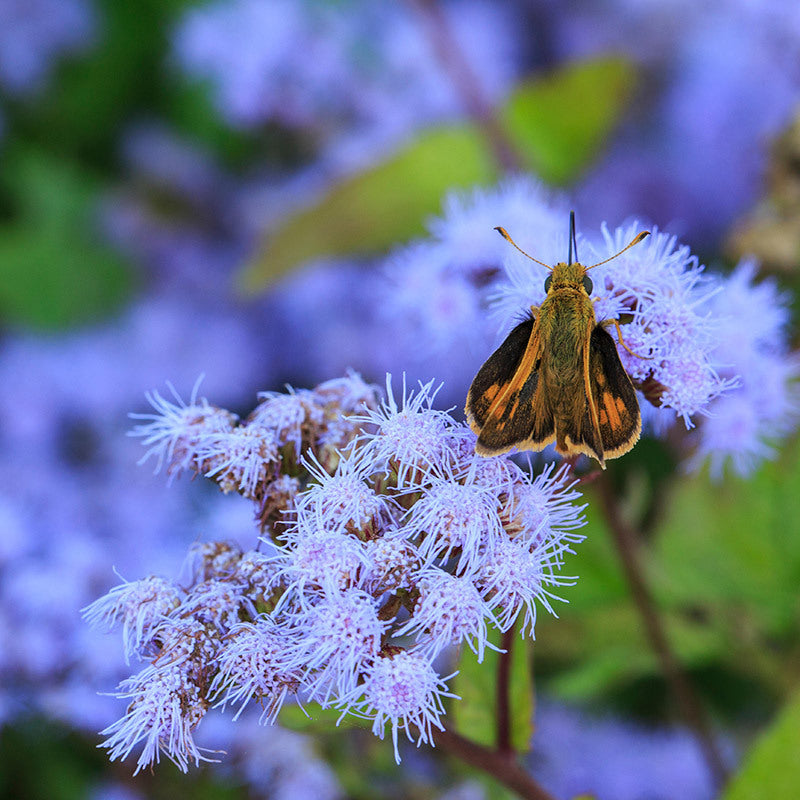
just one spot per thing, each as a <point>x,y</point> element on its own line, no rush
<point>53,271</point>
<point>771,769</point>
<point>723,561</point>
<point>474,715</point>
<point>388,203</point>
<point>40,759</point>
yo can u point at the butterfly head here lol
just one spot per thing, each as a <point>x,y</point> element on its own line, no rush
<point>568,276</point>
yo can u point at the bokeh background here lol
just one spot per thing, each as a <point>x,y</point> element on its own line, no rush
<point>236,189</point>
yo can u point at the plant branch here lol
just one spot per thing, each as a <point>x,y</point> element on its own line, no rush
<point>504,744</point>
<point>466,84</point>
<point>502,766</point>
<point>689,705</point>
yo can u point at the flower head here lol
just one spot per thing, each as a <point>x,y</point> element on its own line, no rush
<point>318,557</point>
<point>448,610</point>
<point>140,606</point>
<point>403,690</point>
<point>166,705</point>
<point>341,636</point>
<point>173,432</point>
<point>455,516</point>
<point>742,426</point>
<point>408,438</point>
<point>345,498</point>
<point>252,666</point>
<point>518,578</point>
<point>243,459</point>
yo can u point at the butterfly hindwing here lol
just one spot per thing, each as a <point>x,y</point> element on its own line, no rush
<point>619,420</point>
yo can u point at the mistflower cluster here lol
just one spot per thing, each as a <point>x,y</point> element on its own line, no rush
<point>391,541</point>
<point>300,61</point>
<point>743,426</point>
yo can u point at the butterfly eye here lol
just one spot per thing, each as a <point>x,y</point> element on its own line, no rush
<point>587,284</point>
<point>547,281</point>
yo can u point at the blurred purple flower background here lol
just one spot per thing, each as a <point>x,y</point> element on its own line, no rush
<point>194,133</point>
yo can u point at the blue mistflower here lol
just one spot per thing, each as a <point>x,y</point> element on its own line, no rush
<point>217,602</point>
<point>315,556</point>
<point>743,426</point>
<point>341,636</point>
<point>455,516</point>
<point>448,610</point>
<point>545,508</point>
<point>243,459</point>
<point>344,498</point>
<point>409,438</point>
<point>390,550</point>
<point>252,665</point>
<point>405,691</point>
<point>139,606</point>
<point>287,415</point>
<point>518,577</point>
<point>172,433</point>
<point>166,705</point>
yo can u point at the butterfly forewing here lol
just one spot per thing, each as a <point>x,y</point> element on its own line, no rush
<point>502,396</point>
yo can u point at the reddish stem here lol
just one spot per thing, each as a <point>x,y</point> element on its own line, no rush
<point>502,766</point>
<point>689,705</point>
<point>466,84</point>
<point>504,744</point>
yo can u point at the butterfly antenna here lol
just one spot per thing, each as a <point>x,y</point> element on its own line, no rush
<point>573,244</point>
<point>504,233</point>
<point>636,239</point>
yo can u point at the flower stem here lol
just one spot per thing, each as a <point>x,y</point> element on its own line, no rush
<point>689,705</point>
<point>504,744</point>
<point>465,82</point>
<point>502,766</point>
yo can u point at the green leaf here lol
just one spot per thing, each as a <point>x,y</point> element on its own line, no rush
<point>723,565</point>
<point>54,270</point>
<point>559,123</point>
<point>475,714</point>
<point>378,207</point>
<point>312,717</point>
<point>734,546</point>
<point>96,92</point>
<point>772,769</point>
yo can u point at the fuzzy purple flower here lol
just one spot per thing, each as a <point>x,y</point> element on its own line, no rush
<point>388,557</point>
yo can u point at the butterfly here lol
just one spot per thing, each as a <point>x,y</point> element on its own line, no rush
<point>557,377</point>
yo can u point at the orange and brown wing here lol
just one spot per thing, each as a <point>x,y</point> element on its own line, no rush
<point>611,422</point>
<point>501,401</point>
<point>619,420</point>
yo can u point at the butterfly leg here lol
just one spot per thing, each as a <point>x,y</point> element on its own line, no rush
<point>606,322</point>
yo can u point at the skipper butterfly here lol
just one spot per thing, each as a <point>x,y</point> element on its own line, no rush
<point>557,376</point>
